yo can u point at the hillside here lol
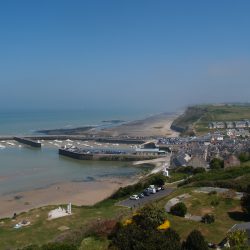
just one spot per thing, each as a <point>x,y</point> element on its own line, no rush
<point>197,118</point>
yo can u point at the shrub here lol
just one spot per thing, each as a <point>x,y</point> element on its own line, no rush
<point>143,232</point>
<point>215,202</point>
<point>216,163</point>
<point>237,238</point>
<point>195,241</point>
<point>245,201</point>
<point>208,219</point>
<point>179,209</point>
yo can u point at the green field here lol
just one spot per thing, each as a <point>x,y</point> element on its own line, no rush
<point>197,118</point>
<point>200,204</point>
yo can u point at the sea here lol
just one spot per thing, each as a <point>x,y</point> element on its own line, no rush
<point>24,168</point>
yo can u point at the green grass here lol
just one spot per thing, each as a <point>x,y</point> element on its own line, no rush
<point>41,230</point>
<point>237,178</point>
<point>92,243</point>
<point>221,113</point>
<point>200,204</point>
<point>197,118</point>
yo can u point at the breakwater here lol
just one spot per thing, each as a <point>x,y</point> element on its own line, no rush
<point>29,142</point>
<point>102,156</point>
<point>120,140</point>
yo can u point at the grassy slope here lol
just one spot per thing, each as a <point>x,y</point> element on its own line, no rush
<point>199,204</point>
<point>198,117</point>
<point>237,177</point>
<point>41,230</point>
<point>222,113</point>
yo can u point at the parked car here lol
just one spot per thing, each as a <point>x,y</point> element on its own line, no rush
<point>152,190</point>
<point>134,197</point>
<point>146,192</point>
<point>158,189</point>
<point>141,195</point>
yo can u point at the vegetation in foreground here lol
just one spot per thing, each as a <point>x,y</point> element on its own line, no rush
<point>97,227</point>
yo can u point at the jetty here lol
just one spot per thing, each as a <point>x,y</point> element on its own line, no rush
<point>27,141</point>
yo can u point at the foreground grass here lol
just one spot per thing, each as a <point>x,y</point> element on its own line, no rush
<point>41,230</point>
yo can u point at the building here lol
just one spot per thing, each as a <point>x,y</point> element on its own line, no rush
<point>240,124</point>
<point>231,161</point>
<point>229,125</point>
<point>149,152</point>
<point>198,162</point>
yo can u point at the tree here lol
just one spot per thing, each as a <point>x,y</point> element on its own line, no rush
<point>216,163</point>
<point>207,219</point>
<point>245,201</point>
<point>195,241</point>
<point>237,238</point>
<point>142,233</point>
<point>150,216</point>
<point>179,209</point>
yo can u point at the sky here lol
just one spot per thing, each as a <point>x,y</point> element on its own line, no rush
<point>134,54</point>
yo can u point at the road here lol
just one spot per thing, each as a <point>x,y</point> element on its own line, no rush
<point>152,197</point>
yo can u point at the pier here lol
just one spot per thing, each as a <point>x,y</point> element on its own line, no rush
<point>29,142</point>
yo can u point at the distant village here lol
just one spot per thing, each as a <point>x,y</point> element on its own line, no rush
<point>225,141</point>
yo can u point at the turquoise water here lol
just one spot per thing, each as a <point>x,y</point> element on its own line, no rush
<point>27,168</point>
<point>27,122</point>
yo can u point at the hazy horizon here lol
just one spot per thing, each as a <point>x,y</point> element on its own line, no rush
<point>151,56</point>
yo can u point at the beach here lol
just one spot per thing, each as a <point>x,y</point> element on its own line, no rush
<point>78,193</point>
<point>152,126</point>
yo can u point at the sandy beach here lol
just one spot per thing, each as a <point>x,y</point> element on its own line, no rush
<point>78,193</point>
<point>155,125</point>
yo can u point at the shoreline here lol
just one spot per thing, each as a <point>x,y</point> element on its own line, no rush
<point>154,125</point>
<point>78,193</point>
<point>90,193</point>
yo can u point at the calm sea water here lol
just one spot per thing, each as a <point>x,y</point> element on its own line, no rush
<point>28,122</point>
<point>27,168</point>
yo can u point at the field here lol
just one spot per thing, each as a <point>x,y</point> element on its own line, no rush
<point>197,118</point>
<point>227,213</point>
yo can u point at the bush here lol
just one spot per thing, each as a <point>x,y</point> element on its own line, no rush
<point>142,233</point>
<point>208,219</point>
<point>245,201</point>
<point>212,193</point>
<point>179,209</point>
<point>215,202</point>
<point>195,241</point>
<point>237,238</point>
<point>216,163</point>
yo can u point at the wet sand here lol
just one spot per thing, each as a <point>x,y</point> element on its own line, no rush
<point>78,193</point>
<point>156,125</point>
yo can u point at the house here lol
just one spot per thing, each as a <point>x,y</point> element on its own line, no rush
<point>231,161</point>
<point>240,124</point>
<point>198,162</point>
<point>181,160</point>
<point>220,125</point>
<point>229,125</point>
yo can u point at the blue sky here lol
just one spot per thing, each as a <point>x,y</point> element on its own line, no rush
<point>148,55</point>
